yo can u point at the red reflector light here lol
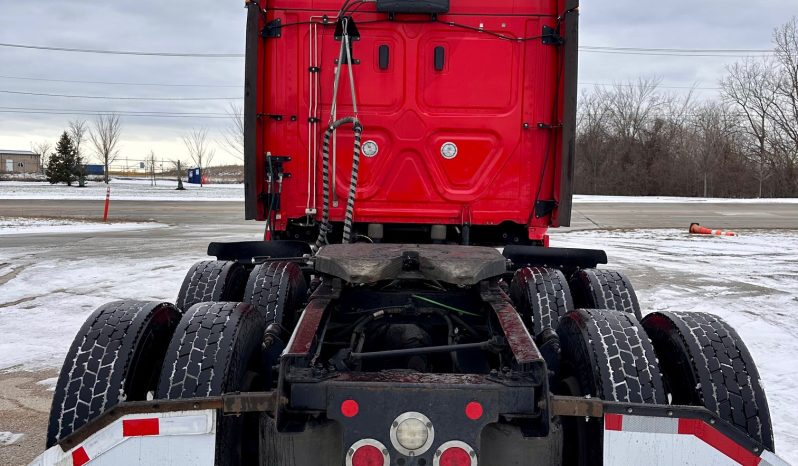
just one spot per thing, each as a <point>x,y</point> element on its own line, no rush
<point>139,427</point>
<point>455,456</point>
<point>350,408</point>
<point>79,457</point>
<point>474,410</point>
<point>368,455</point>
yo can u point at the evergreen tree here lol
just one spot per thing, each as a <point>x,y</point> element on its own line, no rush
<point>63,163</point>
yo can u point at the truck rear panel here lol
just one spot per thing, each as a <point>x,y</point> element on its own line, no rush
<point>494,79</point>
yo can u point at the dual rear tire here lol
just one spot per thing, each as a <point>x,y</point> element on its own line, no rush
<point>134,350</point>
<point>608,351</point>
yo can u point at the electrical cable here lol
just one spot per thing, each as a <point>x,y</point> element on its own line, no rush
<point>117,98</point>
<point>28,78</point>
<point>124,52</point>
<point>133,115</point>
<point>688,52</point>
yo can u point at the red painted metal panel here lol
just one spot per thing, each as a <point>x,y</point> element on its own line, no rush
<point>488,99</point>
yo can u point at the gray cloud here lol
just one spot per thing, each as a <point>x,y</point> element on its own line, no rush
<point>205,26</point>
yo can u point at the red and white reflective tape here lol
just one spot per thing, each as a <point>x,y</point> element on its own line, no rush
<point>115,435</point>
<point>680,433</point>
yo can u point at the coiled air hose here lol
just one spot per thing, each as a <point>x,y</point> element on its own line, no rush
<point>325,227</point>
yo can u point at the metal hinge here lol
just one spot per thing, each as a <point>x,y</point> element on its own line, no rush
<point>544,207</point>
<point>273,29</point>
<point>550,36</point>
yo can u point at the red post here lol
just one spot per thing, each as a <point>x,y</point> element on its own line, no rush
<point>107,201</point>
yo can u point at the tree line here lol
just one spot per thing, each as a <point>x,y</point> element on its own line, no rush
<point>636,138</point>
<point>67,163</point>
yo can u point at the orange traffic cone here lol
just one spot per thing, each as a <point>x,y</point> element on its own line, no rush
<point>697,229</point>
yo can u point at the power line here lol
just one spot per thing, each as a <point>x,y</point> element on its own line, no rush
<point>117,111</point>
<point>677,50</point>
<point>29,78</point>
<point>125,52</point>
<point>687,52</point>
<point>658,86</point>
<point>118,98</point>
<point>124,114</point>
<point>668,54</point>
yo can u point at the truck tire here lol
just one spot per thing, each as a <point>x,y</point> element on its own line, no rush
<point>215,350</point>
<point>705,363</point>
<point>606,354</point>
<point>604,289</point>
<point>541,296</point>
<point>116,356</point>
<point>208,281</point>
<point>276,290</point>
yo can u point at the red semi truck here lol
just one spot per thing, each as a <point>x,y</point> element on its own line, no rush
<point>393,148</point>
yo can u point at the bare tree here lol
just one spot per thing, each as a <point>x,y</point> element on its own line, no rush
<point>750,86</point>
<point>233,133</point>
<point>199,150</point>
<point>77,131</point>
<point>592,136</point>
<point>715,127</point>
<point>105,136</point>
<point>786,108</point>
<point>42,148</point>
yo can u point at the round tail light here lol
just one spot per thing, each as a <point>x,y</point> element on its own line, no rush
<point>455,453</point>
<point>368,452</point>
<point>412,433</point>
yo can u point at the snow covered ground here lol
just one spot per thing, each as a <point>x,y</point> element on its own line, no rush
<point>751,281</point>
<point>140,189</point>
<point>43,303</point>
<point>586,199</point>
<point>123,190</point>
<point>29,226</point>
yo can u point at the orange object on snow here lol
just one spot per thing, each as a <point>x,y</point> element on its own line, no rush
<point>697,229</point>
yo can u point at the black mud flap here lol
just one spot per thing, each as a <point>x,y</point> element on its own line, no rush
<point>253,252</point>
<point>563,258</point>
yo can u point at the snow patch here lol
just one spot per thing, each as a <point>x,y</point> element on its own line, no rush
<point>750,281</point>
<point>49,384</point>
<point>9,438</point>
<point>29,226</point>
<point>123,190</point>
<point>588,199</point>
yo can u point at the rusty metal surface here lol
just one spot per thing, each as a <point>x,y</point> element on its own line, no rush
<point>306,329</point>
<point>234,403</point>
<point>137,407</point>
<point>521,342</point>
<point>369,263</point>
<point>575,406</point>
<point>411,377</point>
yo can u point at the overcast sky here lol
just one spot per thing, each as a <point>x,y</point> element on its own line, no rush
<point>215,26</point>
